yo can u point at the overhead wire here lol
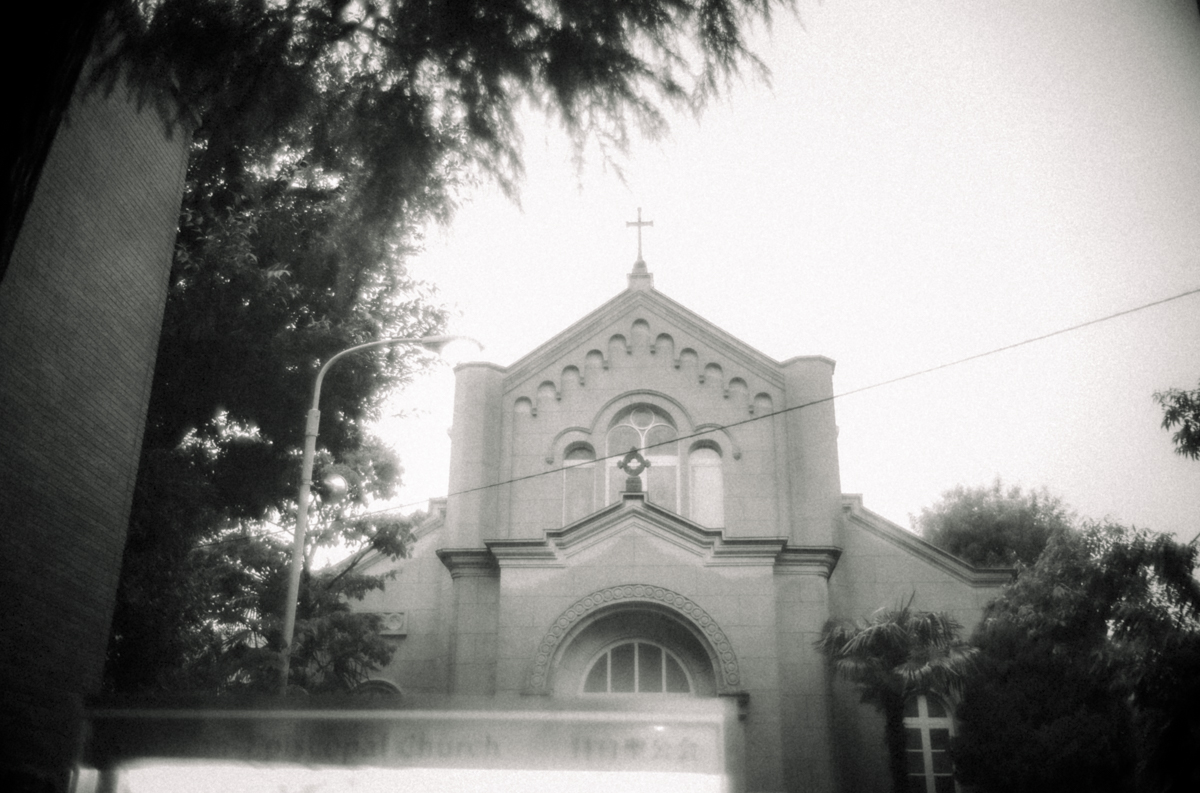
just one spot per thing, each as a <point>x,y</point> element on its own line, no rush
<point>891,381</point>
<point>773,414</point>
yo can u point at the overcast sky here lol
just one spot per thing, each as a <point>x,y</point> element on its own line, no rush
<point>920,182</point>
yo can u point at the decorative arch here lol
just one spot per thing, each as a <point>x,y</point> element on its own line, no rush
<point>720,649</point>
<point>564,439</point>
<point>604,416</point>
<point>735,450</point>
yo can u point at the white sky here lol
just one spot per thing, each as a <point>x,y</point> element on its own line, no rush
<point>922,181</point>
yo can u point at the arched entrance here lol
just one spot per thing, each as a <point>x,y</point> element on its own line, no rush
<point>633,620</point>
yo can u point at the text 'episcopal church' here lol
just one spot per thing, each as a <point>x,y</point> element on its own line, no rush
<point>713,581</point>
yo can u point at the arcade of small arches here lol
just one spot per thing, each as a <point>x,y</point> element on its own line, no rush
<point>641,340</point>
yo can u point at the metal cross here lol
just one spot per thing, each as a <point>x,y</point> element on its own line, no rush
<point>639,223</point>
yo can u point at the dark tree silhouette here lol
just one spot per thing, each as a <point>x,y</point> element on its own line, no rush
<point>893,655</point>
<point>993,526</point>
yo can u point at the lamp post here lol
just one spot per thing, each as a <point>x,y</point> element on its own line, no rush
<point>312,423</point>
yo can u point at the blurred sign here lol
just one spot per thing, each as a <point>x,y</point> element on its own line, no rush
<point>691,737</point>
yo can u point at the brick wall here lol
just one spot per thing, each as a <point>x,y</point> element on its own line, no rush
<point>80,312</point>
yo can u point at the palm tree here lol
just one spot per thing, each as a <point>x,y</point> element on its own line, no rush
<point>893,655</point>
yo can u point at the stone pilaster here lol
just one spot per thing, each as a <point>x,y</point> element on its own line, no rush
<point>802,608</point>
<point>471,506</point>
<point>475,620</point>
<point>813,479</point>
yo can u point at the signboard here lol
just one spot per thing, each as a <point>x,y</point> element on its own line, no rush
<point>699,739</point>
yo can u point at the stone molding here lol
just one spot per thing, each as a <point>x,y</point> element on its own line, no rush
<point>725,668</point>
<point>808,560</point>
<point>556,546</point>
<point>469,562</point>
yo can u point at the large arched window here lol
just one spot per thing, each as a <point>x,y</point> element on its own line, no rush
<point>637,668</point>
<point>705,487</point>
<point>579,483</point>
<point>927,730</point>
<point>647,428</point>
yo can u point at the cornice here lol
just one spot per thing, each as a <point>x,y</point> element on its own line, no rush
<point>711,547</point>
<point>884,529</point>
<point>468,562</point>
<point>808,560</point>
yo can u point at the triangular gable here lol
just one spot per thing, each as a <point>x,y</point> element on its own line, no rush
<point>654,303</point>
<point>634,512</point>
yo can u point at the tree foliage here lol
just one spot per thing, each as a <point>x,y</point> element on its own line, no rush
<point>209,618</point>
<point>993,526</point>
<point>893,655</point>
<point>1182,409</point>
<point>1089,674</point>
<point>326,134</point>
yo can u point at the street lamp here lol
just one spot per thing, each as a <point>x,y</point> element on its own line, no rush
<point>312,422</point>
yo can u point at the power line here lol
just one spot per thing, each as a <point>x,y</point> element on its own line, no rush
<point>822,400</point>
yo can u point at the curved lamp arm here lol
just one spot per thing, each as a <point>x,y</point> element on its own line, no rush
<point>311,426</point>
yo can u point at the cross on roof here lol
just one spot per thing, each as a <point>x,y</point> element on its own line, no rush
<point>639,223</point>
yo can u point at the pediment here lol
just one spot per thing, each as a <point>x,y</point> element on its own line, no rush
<point>662,315</point>
<point>633,513</point>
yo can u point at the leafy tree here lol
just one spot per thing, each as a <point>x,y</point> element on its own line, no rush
<point>230,588</point>
<point>1182,408</point>
<point>895,654</point>
<point>1089,670</point>
<point>326,134</point>
<point>993,526</point>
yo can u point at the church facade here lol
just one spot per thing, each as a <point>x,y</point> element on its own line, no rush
<point>551,570</point>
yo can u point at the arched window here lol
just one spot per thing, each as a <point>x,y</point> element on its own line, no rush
<point>647,428</point>
<point>706,487</point>
<point>637,668</point>
<point>927,731</point>
<point>579,483</point>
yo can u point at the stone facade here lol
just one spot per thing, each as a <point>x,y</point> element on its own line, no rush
<point>544,561</point>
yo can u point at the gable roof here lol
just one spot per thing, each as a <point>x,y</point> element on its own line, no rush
<point>655,303</point>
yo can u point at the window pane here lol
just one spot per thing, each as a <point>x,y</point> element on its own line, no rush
<point>577,493</point>
<point>622,438</point>
<point>677,682</point>
<point>943,784</point>
<point>650,671</point>
<point>662,487</point>
<point>910,707</point>
<point>641,417</point>
<point>708,495</point>
<point>912,738</point>
<point>916,762</point>
<point>939,738</point>
<point>936,708</point>
<point>597,679</point>
<point>661,434</point>
<point>916,784</point>
<point>622,669</point>
<point>941,763</point>
<point>616,483</point>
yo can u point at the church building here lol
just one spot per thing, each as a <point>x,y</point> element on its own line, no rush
<point>646,506</point>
